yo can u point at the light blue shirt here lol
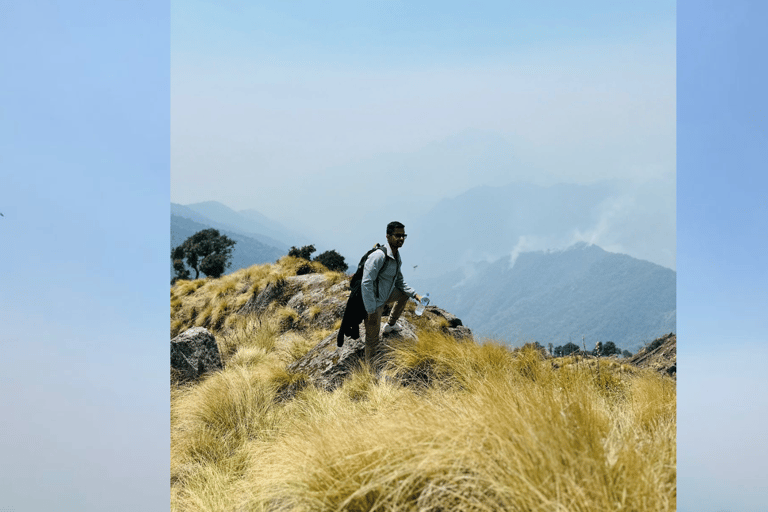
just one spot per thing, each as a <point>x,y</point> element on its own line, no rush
<point>379,280</point>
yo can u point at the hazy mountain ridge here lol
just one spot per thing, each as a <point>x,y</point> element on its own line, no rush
<point>486,223</point>
<point>249,223</point>
<point>560,296</point>
<point>246,252</point>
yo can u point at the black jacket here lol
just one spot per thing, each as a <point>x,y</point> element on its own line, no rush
<point>353,315</point>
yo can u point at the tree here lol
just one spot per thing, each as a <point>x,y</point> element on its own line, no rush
<point>570,348</point>
<point>609,349</point>
<point>332,261</point>
<point>177,256</point>
<point>206,251</point>
<point>305,252</point>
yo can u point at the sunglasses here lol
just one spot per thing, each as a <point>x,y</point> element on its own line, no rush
<point>400,236</point>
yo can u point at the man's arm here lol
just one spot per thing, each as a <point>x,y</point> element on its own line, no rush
<point>368,284</point>
<point>400,283</point>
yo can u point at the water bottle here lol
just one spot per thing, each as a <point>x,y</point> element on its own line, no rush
<point>423,304</point>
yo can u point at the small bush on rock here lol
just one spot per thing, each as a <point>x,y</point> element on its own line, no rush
<point>333,261</point>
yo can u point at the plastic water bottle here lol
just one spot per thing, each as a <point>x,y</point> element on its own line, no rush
<point>423,304</point>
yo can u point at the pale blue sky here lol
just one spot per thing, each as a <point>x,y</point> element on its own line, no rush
<point>439,96</point>
<point>85,110</point>
<point>84,189</point>
<point>722,237</point>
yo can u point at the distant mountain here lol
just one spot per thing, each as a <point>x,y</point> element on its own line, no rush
<point>274,229</point>
<point>486,223</point>
<point>246,252</point>
<point>248,222</point>
<point>560,296</point>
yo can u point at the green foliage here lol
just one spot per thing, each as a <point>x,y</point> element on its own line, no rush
<point>569,348</point>
<point>609,349</point>
<point>606,349</point>
<point>304,252</point>
<point>626,353</point>
<point>333,261</point>
<point>213,265</point>
<point>206,251</point>
<point>654,345</point>
<point>177,256</point>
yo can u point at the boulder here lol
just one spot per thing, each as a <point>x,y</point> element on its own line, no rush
<point>455,327</point>
<point>193,354</point>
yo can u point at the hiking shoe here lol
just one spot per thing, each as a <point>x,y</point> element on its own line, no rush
<point>392,328</point>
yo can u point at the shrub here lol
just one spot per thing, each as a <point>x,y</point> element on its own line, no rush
<point>609,349</point>
<point>569,348</point>
<point>333,261</point>
<point>303,253</point>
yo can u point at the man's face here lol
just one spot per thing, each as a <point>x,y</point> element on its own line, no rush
<point>396,238</point>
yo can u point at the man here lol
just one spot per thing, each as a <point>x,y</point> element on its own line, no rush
<point>383,283</point>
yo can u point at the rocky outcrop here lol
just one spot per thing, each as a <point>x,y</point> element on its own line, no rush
<point>317,304</point>
<point>193,354</point>
<point>660,355</point>
<point>454,327</point>
<point>326,365</point>
<point>314,302</point>
<point>274,293</point>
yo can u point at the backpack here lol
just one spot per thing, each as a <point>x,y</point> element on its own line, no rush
<point>358,275</point>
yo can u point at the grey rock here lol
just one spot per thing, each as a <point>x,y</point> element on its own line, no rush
<point>453,320</point>
<point>193,354</point>
<point>309,295</point>
<point>455,327</point>
<point>274,293</point>
<point>316,304</point>
<point>326,365</point>
<point>660,355</point>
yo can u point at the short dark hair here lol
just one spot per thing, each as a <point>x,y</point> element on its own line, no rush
<point>392,226</point>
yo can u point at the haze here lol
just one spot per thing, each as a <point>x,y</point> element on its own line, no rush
<point>335,121</point>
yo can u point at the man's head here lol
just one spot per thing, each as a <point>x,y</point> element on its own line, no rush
<point>392,226</point>
<point>395,235</point>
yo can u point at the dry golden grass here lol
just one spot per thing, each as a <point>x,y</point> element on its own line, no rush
<point>210,303</point>
<point>479,428</point>
<point>505,432</point>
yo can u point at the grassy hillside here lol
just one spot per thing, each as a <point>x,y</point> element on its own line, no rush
<point>486,428</point>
